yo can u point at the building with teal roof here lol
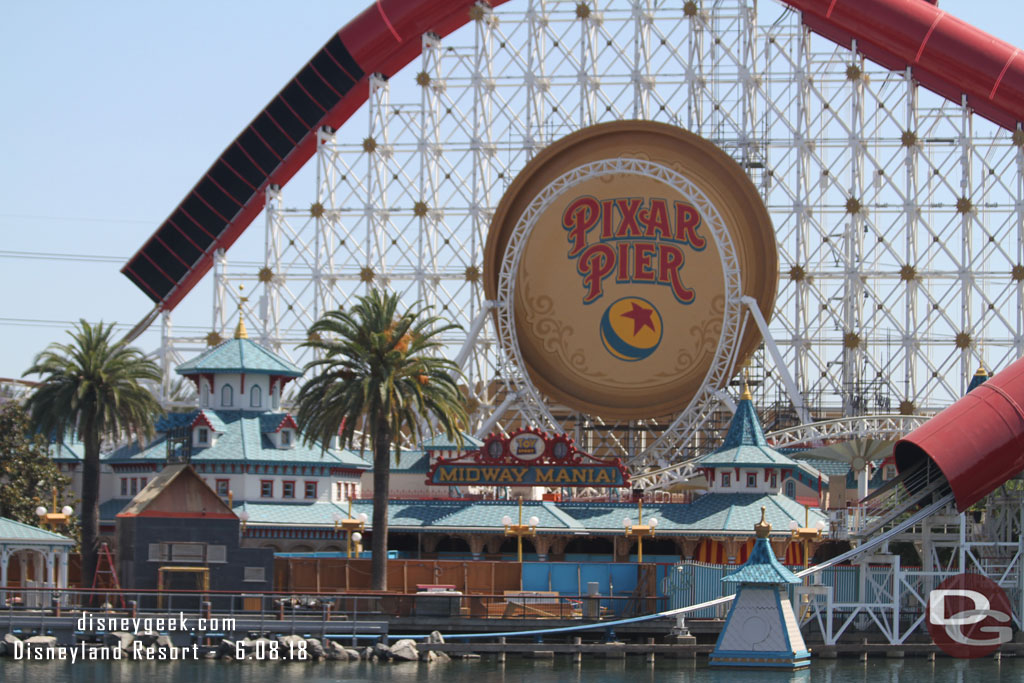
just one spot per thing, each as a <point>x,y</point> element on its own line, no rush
<point>292,494</point>
<point>428,524</point>
<point>238,440</point>
<point>745,463</point>
<point>41,556</point>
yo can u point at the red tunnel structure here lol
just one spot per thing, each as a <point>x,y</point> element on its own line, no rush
<point>945,54</point>
<point>978,442</point>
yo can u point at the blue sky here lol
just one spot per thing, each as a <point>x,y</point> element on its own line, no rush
<point>113,110</point>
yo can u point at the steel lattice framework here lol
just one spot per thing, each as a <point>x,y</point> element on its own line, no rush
<point>899,215</point>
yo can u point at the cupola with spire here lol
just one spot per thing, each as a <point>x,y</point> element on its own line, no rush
<point>745,463</point>
<point>239,374</point>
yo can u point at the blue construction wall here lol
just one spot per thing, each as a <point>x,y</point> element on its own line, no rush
<point>691,583</point>
<point>614,580</point>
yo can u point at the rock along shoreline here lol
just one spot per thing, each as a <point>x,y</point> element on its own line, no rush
<point>121,645</point>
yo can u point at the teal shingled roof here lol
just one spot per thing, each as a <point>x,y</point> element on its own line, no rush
<point>239,355</point>
<point>979,378</point>
<point>410,462</point>
<point>712,512</point>
<point>11,530</point>
<point>745,443</point>
<point>761,567</point>
<point>68,450</point>
<point>717,513</point>
<point>110,508</point>
<point>241,439</point>
<point>428,515</point>
<point>440,442</point>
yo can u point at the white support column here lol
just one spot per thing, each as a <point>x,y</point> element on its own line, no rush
<point>5,558</point>
<point>51,564</point>
<point>378,153</point>
<point>962,544</point>
<point>801,210</point>
<point>911,348</point>
<point>854,334</point>
<point>166,357</point>
<point>1018,219</point>
<point>795,396</point>
<point>641,77</point>
<point>427,211</point>
<point>62,576</point>
<point>967,280</point>
<point>272,275</point>
<point>220,294</point>
<point>587,76</point>
<point>39,563</point>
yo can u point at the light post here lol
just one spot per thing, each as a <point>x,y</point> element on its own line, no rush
<point>55,519</point>
<point>352,526</point>
<point>57,577</point>
<point>806,533</point>
<point>640,531</point>
<point>520,530</point>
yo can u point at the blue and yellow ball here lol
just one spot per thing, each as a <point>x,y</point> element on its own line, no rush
<point>631,328</point>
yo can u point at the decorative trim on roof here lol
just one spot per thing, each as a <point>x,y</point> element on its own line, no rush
<point>272,423</point>
<point>13,532</point>
<point>241,356</point>
<point>762,567</point>
<point>745,444</point>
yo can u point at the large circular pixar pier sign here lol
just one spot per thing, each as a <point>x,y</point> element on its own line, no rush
<point>621,253</point>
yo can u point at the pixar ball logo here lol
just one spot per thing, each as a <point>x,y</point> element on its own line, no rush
<point>631,328</point>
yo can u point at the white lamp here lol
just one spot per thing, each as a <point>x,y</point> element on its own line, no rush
<point>652,522</point>
<point>356,537</point>
<point>794,525</point>
<point>627,522</point>
<point>534,521</point>
<point>40,511</point>
<point>506,520</point>
<point>68,510</point>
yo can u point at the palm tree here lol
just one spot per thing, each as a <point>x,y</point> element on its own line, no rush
<point>91,389</point>
<point>377,367</point>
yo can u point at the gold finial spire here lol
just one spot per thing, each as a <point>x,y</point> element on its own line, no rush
<point>746,395</point>
<point>981,372</point>
<point>762,528</point>
<point>240,331</point>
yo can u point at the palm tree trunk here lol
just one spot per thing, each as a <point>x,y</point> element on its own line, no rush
<point>381,487</point>
<point>90,505</point>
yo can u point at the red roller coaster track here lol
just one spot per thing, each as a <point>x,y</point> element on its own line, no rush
<point>944,54</point>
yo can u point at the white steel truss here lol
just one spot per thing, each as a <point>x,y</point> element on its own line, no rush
<point>893,599</point>
<point>899,215</point>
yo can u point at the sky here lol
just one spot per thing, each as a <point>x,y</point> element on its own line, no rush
<point>112,110</point>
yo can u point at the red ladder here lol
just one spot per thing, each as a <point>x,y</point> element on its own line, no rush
<point>106,574</point>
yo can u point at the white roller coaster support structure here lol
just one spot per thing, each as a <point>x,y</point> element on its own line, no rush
<point>899,216</point>
<point>795,397</point>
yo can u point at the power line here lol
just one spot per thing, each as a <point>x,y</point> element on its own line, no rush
<point>46,256</point>
<point>36,322</point>
<point>79,219</point>
<point>93,258</point>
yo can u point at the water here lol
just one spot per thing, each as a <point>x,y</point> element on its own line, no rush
<point>535,671</point>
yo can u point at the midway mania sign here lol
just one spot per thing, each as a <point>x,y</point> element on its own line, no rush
<point>528,458</point>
